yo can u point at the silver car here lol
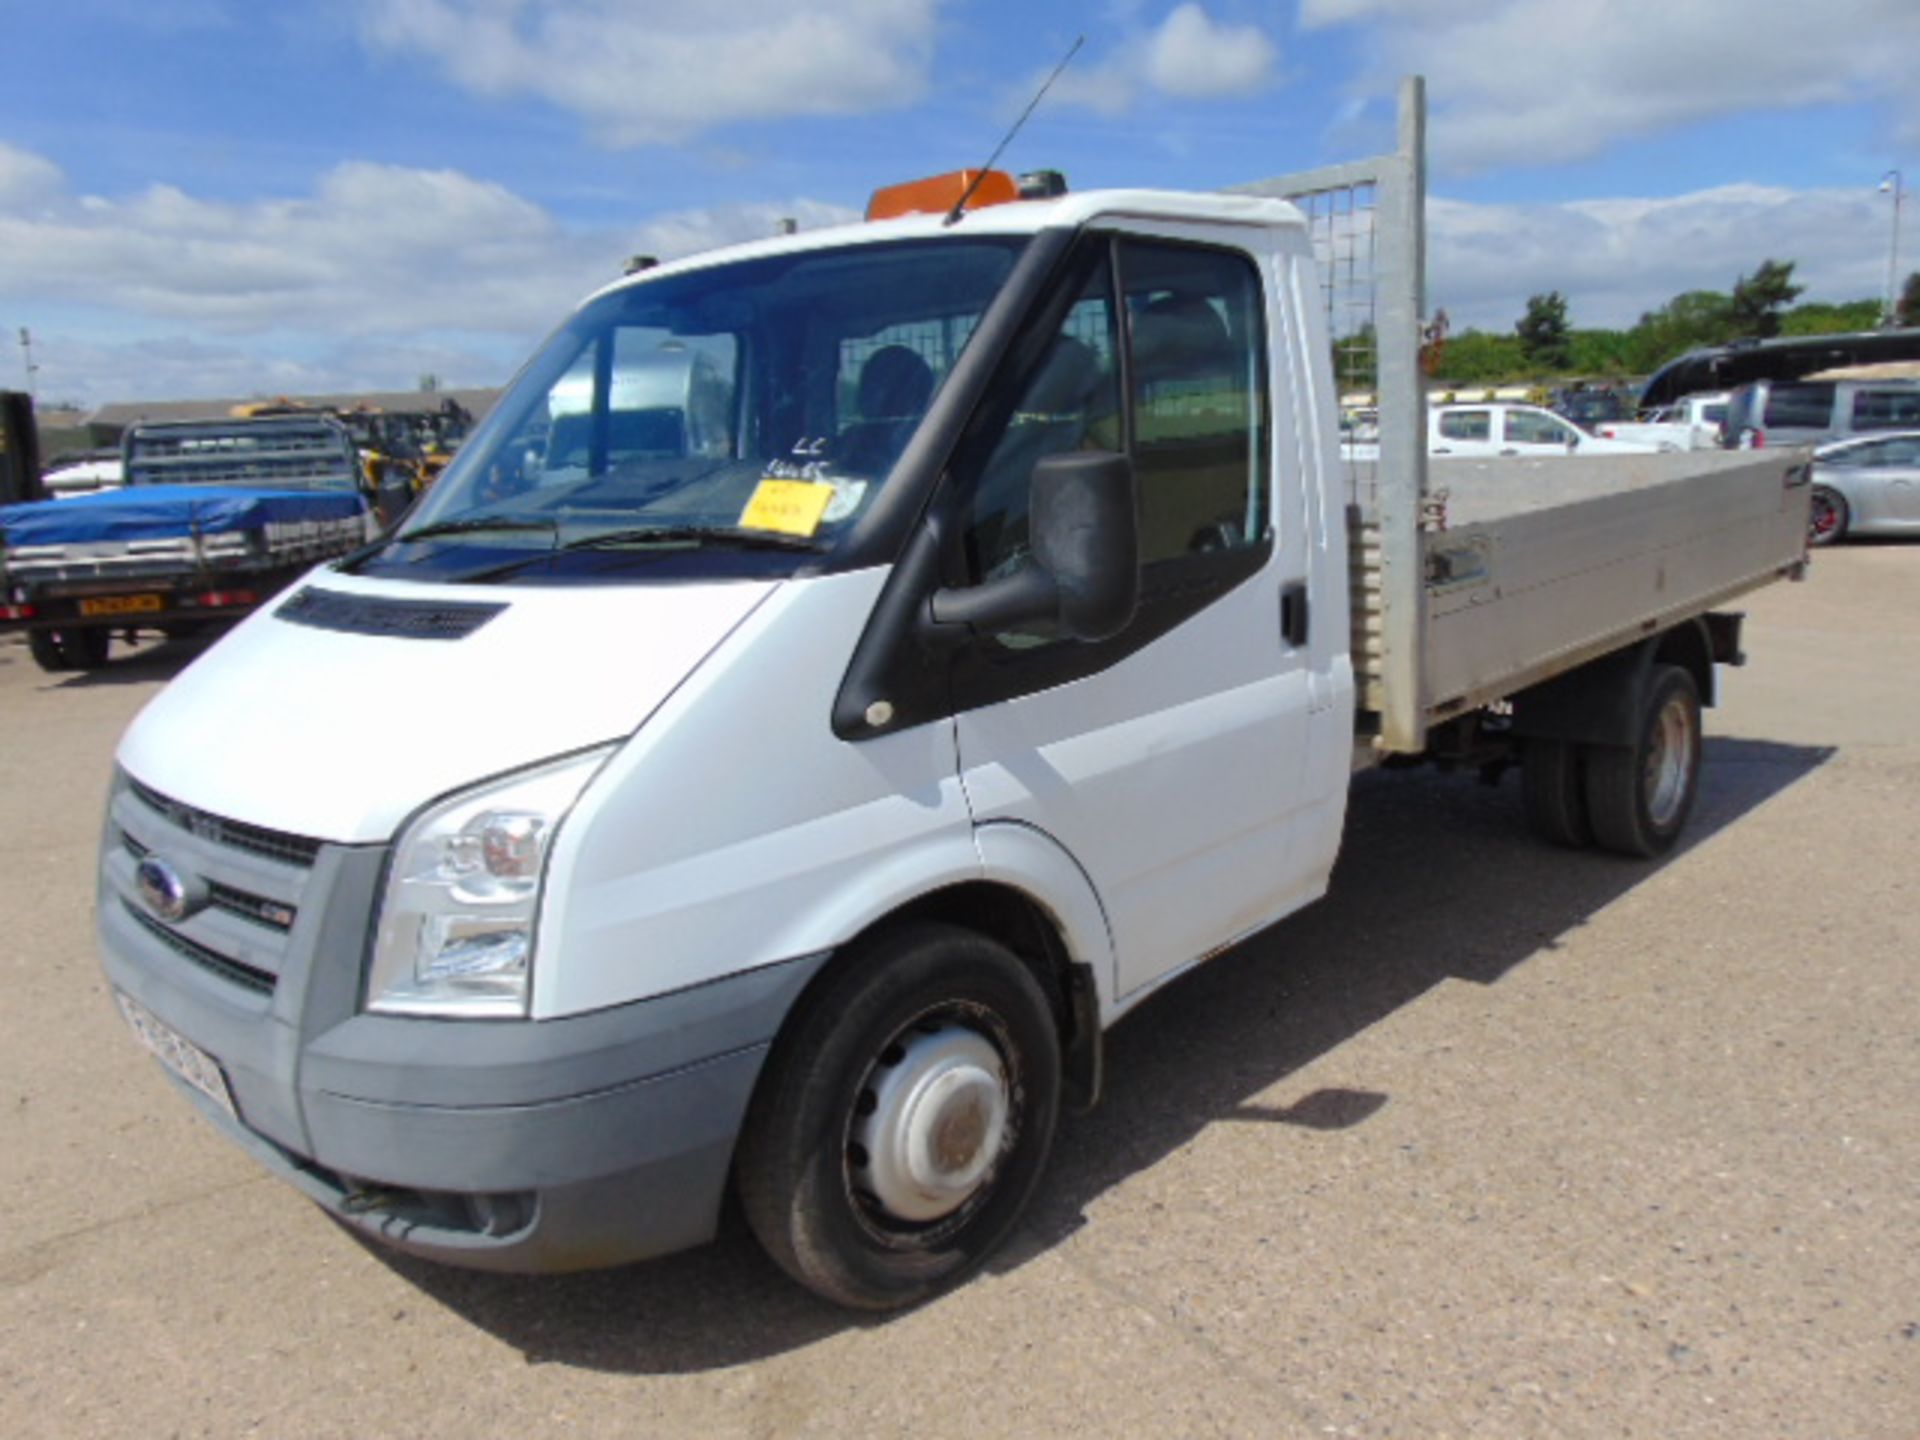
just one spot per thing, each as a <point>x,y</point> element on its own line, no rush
<point>1866,485</point>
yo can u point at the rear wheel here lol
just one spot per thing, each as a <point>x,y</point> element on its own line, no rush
<point>1827,516</point>
<point>1553,783</point>
<point>49,651</point>
<point>57,651</point>
<point>88,648</point>
<point>1639,795</point>
<point>904,1118</point>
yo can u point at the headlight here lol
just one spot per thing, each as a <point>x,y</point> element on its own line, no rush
<point>456,924</point>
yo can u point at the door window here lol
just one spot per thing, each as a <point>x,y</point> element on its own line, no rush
<point>1194,421</point>
<point>1199,421</point>
<point>1466,425</point>
<point>1531,427</point>
<point>1799,407</point>
<point>1886,409</point>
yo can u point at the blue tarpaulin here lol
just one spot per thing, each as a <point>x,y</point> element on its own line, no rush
<point>167,512</point>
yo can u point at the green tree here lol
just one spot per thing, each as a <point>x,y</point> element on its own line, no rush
<point>1473,357</point>
<point>1819,317</point>
<point>1543,332</point>
<point>1356,359</point>
<point>1759,298</point>
<point>1686,322</point>
<point>1906,310</point>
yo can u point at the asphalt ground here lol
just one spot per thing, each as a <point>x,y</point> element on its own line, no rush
<point>1495,1141</point>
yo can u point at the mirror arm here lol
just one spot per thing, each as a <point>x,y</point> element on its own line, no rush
<point>1029,594</point>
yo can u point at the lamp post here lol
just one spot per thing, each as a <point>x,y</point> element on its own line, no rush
<point>26,352</point>
<point>1890,185</point>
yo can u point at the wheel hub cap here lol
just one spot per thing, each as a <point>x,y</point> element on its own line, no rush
<point>1669,762</point>
<point>935,1119</point>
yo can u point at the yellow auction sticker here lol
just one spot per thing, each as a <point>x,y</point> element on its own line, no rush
<point>788,507</point>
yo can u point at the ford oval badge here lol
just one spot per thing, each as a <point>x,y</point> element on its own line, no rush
<point>162,888</point>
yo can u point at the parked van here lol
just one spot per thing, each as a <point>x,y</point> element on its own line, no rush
<point>1805,412</point>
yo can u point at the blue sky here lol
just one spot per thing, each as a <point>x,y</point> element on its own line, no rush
<point>219,197</point>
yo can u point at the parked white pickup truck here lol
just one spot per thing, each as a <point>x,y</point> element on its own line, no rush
<point>1690,423</point>
<point>1517,430</point>
<point>797,812</point>
<point>1497,428</point>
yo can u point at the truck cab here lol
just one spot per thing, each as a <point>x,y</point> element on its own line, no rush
<point>809,634</point>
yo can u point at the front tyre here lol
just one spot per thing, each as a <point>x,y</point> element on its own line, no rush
<point>904,1118</point>
<point>1639,795</point>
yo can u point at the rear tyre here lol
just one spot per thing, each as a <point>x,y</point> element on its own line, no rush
<point>49,651</point>
<point>904,1118</point>
<point>1639,795</point>
<point>88,648</point>
<point>1827,516</point>
<point>1553,783</point>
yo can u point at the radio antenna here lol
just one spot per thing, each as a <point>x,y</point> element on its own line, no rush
<point>960,205</point>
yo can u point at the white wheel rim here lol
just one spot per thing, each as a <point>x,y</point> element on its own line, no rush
<point>934,1114</point>
<point>1669,769</point>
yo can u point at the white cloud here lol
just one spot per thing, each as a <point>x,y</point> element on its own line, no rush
<point>1543,81</point>
<point>1192,57</point>
<point>1616,258</point>
<point>647,72</point>
<point>376,275</point>
<point>26,179</point>
<point>1189,56</point>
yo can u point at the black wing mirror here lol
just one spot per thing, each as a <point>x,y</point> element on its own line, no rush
<point>1084,571</point>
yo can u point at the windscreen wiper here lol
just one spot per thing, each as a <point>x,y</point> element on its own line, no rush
<point>479,522</point>
<point>723,535</point>
<point>648,535</point>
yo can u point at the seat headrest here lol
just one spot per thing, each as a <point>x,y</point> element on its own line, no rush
<point>1180,334</point>
<point>1067,379</point>
<point>895,384</point>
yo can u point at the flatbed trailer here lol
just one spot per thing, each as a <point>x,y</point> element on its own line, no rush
<point>215,518</point>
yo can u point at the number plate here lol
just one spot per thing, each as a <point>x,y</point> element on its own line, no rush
<point>178,1054</point>
<point>123,605</point>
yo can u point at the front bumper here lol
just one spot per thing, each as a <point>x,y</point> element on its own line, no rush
<point>519,1145</point>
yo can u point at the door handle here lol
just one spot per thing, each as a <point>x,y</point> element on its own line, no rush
<point>1293,613</point>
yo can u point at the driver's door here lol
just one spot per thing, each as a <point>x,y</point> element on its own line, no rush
<point>1171,761</point>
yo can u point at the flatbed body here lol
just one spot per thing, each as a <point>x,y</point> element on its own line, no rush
<point>1535,567</point>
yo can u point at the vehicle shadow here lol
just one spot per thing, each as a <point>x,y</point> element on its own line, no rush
<point>150,659</point>
<point>1440,881</point>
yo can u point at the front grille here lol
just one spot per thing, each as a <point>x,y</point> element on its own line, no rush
<point>254,839</point>
<point>253,882</point>
<point>243,975</point>
<point>257,908</point>
<point>244,903</point>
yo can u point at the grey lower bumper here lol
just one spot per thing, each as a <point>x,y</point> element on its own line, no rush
<point>516,1145</point>
<point>571,1184</point>
<point>522,1145</point>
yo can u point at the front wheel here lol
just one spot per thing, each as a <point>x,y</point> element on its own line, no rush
<point>1639,795</point>
<point>1827,516</point>
<point>904,1118</point>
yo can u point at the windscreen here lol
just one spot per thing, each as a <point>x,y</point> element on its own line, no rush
<point>758,406</point>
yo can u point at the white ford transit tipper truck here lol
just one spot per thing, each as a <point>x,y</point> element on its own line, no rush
<point>790,800</point>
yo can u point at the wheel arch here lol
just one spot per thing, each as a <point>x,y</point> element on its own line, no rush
<point>1690,646</point>
<point>1600,703</point>
<point>1030,896</point>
